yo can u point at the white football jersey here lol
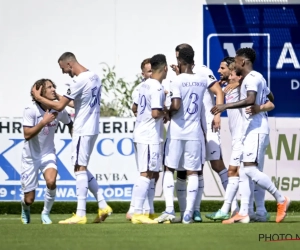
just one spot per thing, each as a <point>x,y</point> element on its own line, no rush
<point>135,92</point>
<point>147,129</point>
<point>185,124</point>
<point>235,116</point>
<point>258,123</point>
<point>42,144</point>
<point>209,99</point>
<point>86,93</point>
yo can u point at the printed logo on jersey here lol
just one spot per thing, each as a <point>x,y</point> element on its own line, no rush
<point>68,92</point>
<point>212,77</point>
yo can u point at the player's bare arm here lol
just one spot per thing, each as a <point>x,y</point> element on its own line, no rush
<point>134,109</point>
<point>58,105</point>
<point>71,103</point>
<point>231,86</point>
<point>30,132</point>
<point>157,113</point>
<point>250,100</point>
<point>217,90</point>
<point>271,97</point>
<point>255,109</point>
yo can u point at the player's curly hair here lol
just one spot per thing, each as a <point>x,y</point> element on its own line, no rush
<point>228,60</point>
<point>248,53</point>
<point>186,55</point>
<point>41,83</point>
<point>158,61</point>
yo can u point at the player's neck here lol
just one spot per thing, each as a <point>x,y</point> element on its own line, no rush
<point>44,107</point>
<point>246,72</point>
<point>187,70</point>
<point>78,69</point>
<point>157,77</point>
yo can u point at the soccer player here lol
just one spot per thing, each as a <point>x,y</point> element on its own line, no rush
<point>85,93</point>
<point>184,146</point>
<point>148,133</point>
<point>256,132</point>
<point>213,143</point>
<point>39,125</point>
<point>148,207</point>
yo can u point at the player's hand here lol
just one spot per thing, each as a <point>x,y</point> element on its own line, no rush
<point>219,108</point>
<point>175,68</point>
<point>231,87</point>
<point>253,110</point>
<point>36,92</point>
<point>49,117</point>
<point>216,124</point>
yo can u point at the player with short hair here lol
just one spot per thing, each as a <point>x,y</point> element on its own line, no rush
<point>213,143</point>
<point>85,93</point>
<point>184,146</point>
<point>39,125</point>
<point>148,207</point>
<point>148,133</point>
<point>256,133</point>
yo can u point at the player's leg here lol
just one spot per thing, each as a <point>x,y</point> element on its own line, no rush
<point>214,156</point>
<point>259,193</point>
<point>29,182</point>
<point>151,195</point>
<point>147,163</point>
<point>49,171</point>
<point>192,162</point>
<point>172,156</point>
<point>180,187</point>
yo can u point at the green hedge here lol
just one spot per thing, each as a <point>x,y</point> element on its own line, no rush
<point>122,207</point>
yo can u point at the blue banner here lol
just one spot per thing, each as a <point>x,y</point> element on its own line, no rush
<point>273,32</point>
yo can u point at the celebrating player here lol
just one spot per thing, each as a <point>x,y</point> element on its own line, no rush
<point>148,134</point>
<point>256,132</point>
<point>85,92</point>
<point>39,125</point>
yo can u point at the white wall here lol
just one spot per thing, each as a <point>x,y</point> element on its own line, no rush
<point>34,33</point>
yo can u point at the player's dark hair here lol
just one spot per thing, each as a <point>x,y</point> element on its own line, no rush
<point>41,83</point>
<point>158,61</point>
<point>67,56</point>
<point>146,61</point>
<point>248,53</point>
<point>228,60</point>
<point>186,55</point>
<point>181,46</point>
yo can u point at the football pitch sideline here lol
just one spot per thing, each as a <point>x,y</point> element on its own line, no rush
<point>117,233</point>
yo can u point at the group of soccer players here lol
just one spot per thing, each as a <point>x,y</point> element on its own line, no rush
<point>186,105</point>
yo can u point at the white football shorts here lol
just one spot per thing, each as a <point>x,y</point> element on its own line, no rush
<point>148,157</point>
<point>236,152</point>
<point>184,155</point>
<point>82,148</point>
<point>213,146</point>
<point>254,148</point>
<point>30,171</point>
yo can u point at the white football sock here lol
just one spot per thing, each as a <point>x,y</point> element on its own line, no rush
<point>259,197</point>
<point>192,189</point>
<point>181,194</point>
<point>168,188</point>
<point>151,194</point>
<point>131,208</point>
<point>265,182</point>
<point>251,200</point>
<point>81,191</point>
<point>199,193</point>
<point>230,194</point>
<point>244,191</point>
<point>95,190</point>
<point>49,200</point>
<point>24,205</point>
<point>224,177</point>
<point>141,192</point>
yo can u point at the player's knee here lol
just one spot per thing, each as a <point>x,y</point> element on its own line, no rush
<point>51,183</point>
<point>181,175</point>
<point>233,172</point>
<point>156,176</point>
<point>217,165</point>
<point>29,199</point>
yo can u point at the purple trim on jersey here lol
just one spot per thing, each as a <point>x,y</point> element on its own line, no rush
<point>210,85</point>
<point>148,157</point>
<point>69,97</point>
<point>24,126</point>
<point>157,109</point>
<point>77,150</point>
<point>41,107</point>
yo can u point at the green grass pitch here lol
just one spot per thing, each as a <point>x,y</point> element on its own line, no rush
<point>117,233</point>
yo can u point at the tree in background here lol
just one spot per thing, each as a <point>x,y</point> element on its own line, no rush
<point>116,97</point>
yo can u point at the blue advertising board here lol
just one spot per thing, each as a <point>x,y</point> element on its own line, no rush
<point>273,32</point>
